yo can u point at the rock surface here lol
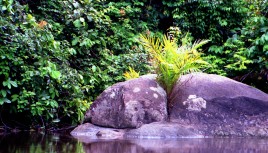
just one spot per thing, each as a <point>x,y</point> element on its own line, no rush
<point>203,105</point>
<point>129,104</point>
<point>217,105</point>
<point>152,130</point>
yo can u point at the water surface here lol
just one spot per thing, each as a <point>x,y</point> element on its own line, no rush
<point>56,143</point>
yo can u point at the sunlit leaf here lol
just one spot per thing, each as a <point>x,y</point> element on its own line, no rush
<point>55,74</point>
<point>77,23</point>
<point>14,83</point>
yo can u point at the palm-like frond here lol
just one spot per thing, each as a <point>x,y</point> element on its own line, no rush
<point>199,43</point>
<point>172,61</point>
<point>151,44</point>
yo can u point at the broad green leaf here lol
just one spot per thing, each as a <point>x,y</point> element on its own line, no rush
<point>77,23</point>
<point>94,68</point>
<point>9,86</point>
<point>71,50</point>
<point>80,76</point>
<point>5,83</point>
<point>3,9</point>
<point>14,83</point>
<point>265,48</point>
<point>75,41</point>
<point>87,43</point>
<point>54,104</point>
<point>4,100</point>
<point>55,74</point>
<point>4,93</point>
<point>56,44</point>
<point>1,101</point>
<point>14,97</point>
<point>7,100</point>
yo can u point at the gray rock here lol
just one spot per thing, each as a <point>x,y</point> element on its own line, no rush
<point>163,130</point>
<point>129,104</point>
<point>195,103</point>
<point>152,130</point>
<point>216,105</point>
<point>211,86</point>
<point>87,130</point>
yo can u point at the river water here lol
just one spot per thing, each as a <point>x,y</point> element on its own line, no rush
<point>55,143</point>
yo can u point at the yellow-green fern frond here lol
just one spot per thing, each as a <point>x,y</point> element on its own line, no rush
<point>172,61</point>
<point>131,74</point>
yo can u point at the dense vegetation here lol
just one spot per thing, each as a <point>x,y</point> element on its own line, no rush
<point>57,56</point>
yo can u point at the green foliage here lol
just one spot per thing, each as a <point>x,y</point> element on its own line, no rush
<point>246,51</point>
<point>171,61</point>
<point>57,56</point>
<point>103,37</point>
<point>37,78</point>
<point>237,30</point>
<point>211,20</point>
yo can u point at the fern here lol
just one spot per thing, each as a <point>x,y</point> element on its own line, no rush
<point>131,74</point>
<point>170,61</point>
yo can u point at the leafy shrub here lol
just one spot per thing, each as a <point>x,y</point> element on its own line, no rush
<point>57,56</point>
<point>36,77</point>
<point>213,20</point>
<point>244,55</point>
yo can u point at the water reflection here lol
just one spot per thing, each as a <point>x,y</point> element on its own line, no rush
<point>38,143</point>
<point>215,145</point>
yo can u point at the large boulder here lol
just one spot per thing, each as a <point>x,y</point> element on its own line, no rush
<point>203,105</point>
<point>129,104</point>
<point>217,105</point>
